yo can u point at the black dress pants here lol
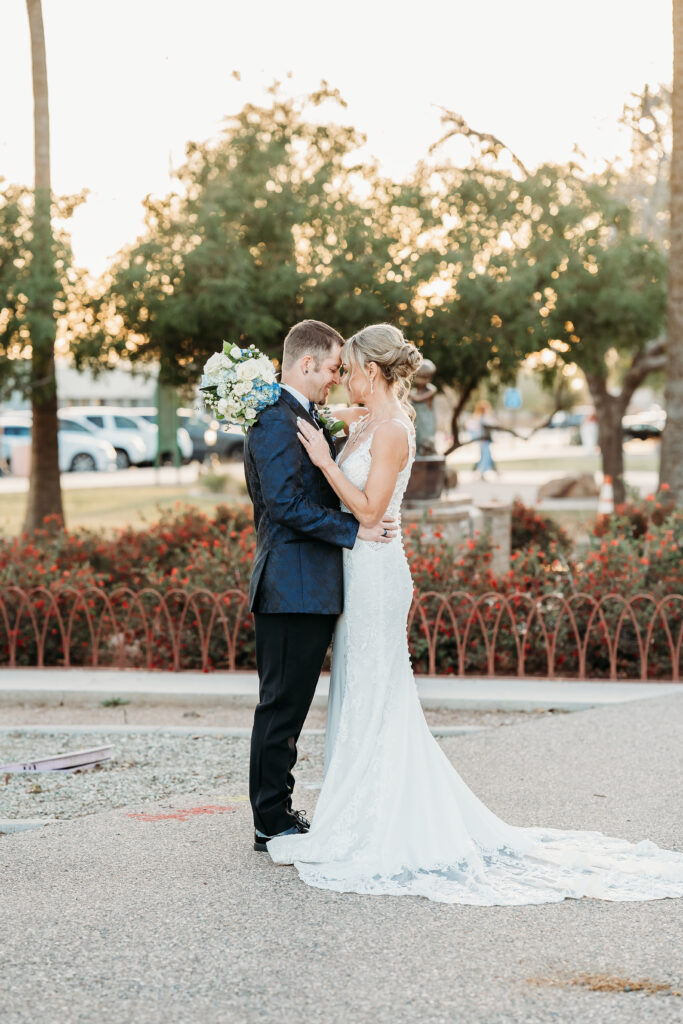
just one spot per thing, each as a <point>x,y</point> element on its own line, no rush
<point>290,650</point>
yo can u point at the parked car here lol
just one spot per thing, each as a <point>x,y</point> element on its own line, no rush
<point>79,450</point>
<point>644,425</point>
<point>574,422</point>
<point>113,424</point>
<point>211,437</point>
<point>146,419</point>
<point>566,419</point>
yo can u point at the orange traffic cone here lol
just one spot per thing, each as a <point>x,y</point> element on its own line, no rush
<point>606,499</point>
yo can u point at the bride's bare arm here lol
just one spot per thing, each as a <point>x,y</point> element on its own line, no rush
<point>389,451</point>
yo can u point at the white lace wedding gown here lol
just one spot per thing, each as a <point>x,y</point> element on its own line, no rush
<point>393,816</point>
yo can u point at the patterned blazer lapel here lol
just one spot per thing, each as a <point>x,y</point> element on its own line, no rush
<point>299,409</point>
<point>296,406</point>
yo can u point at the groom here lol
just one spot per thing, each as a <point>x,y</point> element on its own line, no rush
<point>296,590</point>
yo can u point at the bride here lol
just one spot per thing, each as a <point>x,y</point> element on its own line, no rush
<point>393,816</point>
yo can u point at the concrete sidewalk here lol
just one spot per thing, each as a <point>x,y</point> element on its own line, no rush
<point>54,685</point>
<point>132,915</point>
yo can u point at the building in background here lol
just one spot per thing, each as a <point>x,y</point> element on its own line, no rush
<point>119,386</point>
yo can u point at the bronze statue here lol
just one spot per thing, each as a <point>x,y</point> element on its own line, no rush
<point>422,400</point>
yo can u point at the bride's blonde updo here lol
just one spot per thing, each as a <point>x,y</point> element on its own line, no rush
<point>398,360</point>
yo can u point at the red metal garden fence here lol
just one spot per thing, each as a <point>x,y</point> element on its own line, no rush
<point>579,636</point>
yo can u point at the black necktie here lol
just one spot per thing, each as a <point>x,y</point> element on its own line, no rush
<point>314,415</point>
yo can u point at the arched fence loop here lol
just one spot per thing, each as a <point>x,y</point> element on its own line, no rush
<point>578,636</point>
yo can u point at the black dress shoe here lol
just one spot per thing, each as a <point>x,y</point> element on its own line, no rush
<point>300,817</point>
<point>299,824</point>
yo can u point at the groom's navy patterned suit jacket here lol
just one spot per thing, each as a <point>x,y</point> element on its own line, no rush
<point>300,528</point>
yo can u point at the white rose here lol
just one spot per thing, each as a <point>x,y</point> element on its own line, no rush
<point>250,369</point>
<point>266,369</point>
<point>250,413</point>
<point>236,352</point>
<point>214,365</point>
<point>222,406</point>
<point>243,387</point>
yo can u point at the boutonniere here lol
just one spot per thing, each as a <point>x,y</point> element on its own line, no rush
<point>330,424</point>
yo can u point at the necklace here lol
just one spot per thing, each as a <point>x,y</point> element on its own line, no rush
<point>362,426</point>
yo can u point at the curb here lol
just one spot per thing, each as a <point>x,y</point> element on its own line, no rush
<point>85,698</point>
<point>240,689</point>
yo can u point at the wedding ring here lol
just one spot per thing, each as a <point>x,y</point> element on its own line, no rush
<point>385,534</point>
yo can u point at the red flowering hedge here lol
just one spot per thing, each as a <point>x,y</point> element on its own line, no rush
<point>122,577</point>
<point>615,611</point>
<point>172,596</point>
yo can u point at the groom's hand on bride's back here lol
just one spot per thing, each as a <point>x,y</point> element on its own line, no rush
<point>385,531</point>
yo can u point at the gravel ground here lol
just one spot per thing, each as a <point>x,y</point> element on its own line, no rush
<point>154,766</point>
<point>145,768</point>
<point>177,920</point>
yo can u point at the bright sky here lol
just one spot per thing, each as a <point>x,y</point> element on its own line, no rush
<point>132,81</point>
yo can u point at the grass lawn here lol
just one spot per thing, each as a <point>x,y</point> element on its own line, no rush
<point>111,507</point>
<point>566,465</point>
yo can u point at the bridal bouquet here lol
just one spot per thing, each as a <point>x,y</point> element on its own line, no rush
<point>238,383</point>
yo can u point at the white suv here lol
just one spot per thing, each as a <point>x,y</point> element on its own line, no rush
<point>79,450</point>
<point>112,423</point>
<point>146,418</point>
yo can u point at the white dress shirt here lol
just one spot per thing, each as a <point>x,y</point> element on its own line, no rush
<point>297,394</point>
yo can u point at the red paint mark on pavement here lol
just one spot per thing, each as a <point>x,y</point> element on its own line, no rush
<point>185,813</point>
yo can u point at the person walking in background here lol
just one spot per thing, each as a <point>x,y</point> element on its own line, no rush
<point>480,426</point>
<point>588,431</point>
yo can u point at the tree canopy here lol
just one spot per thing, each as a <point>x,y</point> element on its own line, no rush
<point>272,223</point>
<point>484,265</point>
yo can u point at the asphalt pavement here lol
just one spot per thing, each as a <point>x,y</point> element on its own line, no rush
<point>165,913</point>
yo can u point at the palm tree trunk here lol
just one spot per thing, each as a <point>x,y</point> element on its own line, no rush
<point>671,470</point>
<point>45,495</point>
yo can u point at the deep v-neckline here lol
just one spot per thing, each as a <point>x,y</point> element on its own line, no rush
<point>357,447</point>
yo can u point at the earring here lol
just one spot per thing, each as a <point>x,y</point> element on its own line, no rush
<point>372,386</point>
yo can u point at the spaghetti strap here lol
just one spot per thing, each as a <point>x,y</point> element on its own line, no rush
<point>409,431</point>
<point>352,446</point>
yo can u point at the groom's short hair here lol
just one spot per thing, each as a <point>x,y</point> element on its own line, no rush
<point>309,338</point>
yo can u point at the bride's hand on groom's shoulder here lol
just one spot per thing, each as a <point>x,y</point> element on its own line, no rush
<point>314,442</point>
<point>385,531</point>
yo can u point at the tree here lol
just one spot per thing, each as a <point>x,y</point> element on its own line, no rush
<point>474,310</point>
<point>603,305</point>
<point>671,469</point>
<point>45,495</point>
<point>644,182</point>
<point>272,223</point>
<point>556,270</point>
<point>17,219</point>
